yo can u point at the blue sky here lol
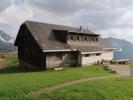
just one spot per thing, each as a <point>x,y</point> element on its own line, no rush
<point>106,17</point>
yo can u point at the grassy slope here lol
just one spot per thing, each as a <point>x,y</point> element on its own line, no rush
<point>103,89</point>
<point>15,82</point>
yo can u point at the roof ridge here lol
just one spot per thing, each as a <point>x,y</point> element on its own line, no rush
<point>32,21</point>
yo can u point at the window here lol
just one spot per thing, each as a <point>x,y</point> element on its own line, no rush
<point>87,55</point>
<point>98,54</point>
<point>71,37</point>
<point>86,38</point>
<point>97,39</point>
<point>59,57</point>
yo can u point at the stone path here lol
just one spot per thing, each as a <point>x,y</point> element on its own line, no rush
<point>58,86</point>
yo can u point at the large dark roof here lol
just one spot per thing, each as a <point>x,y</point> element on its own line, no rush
<point>43,27</point>
<point>42,32</point>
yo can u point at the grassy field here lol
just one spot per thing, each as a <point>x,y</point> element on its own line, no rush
<point>14,83</point>
<point>102,89</point>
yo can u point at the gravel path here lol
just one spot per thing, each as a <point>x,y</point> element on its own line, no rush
<point>58,86</point>
<point>121,69</point>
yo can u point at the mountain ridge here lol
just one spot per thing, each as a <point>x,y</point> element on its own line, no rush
<point>6,42</point>
<point>125,48</point>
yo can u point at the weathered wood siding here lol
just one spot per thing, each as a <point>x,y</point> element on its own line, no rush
<point>60,59</point>
<point>29,53</point>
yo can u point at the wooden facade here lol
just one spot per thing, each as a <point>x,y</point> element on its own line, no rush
<point>59,59</point>
<point>43,46</point>
<point>29,52</point>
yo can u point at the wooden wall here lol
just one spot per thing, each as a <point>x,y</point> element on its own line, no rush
<point>60,59</point>
<point>29,51</point>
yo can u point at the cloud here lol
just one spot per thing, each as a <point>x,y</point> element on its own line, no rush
<point>96,15</point>
<point>107,17</point>
<point>60,6</point>
<point>4,4</point>
<point>15,13</point>
<point>13,16</point>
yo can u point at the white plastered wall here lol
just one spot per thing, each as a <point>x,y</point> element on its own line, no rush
<point>107,55</point>
<point>91,59</point>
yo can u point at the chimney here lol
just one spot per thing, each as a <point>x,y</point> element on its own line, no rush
<point>86,27</point>
<point>81,28</point>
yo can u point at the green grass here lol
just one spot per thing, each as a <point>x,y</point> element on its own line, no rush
<point>14,83</point>
<point>101,89</point>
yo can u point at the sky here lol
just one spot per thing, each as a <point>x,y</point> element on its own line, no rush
<point>110,18</point>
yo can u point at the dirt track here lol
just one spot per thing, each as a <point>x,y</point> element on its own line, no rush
<point>58,86</point>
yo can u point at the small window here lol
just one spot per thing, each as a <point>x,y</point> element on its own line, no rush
<point>98,54</point>
<point>97,39</point>
<point>86,38</point>
<point>71,37</point>
<point>59,57</point>
<point>87,55</point>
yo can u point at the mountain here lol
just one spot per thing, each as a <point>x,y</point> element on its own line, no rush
<point>6,42</point>
<point>125,48</point>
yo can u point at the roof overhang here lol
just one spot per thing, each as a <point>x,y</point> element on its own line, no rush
<point>109,48</point>
<point>61,50</point>
<point>92,52</point>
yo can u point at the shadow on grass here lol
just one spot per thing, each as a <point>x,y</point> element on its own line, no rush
<point>16,69</point>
